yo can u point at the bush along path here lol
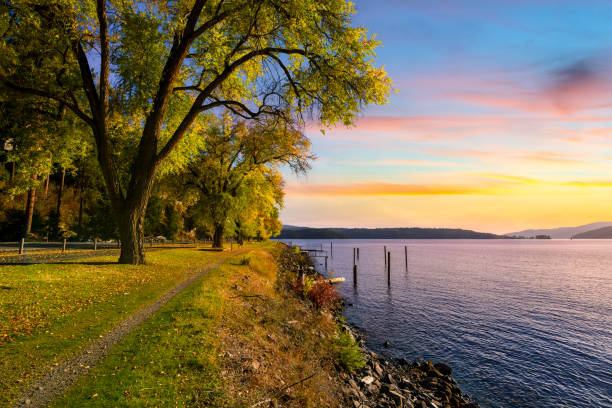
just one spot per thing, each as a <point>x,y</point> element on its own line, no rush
<point>64,374</point>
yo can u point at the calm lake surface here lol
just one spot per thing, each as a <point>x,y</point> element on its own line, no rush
<point>523,323</point>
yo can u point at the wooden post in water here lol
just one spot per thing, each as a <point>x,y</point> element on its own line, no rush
<point>21,245</point>
<point>64,245</point>
<point>354,270</point>
<point>357,254</point>
<point>385,255</point>
<point>326,262</point>
<point>406,256</point>
<point>389,268</point>
<point>331,249</point>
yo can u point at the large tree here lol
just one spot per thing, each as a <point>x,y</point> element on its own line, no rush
<point>139,73</point>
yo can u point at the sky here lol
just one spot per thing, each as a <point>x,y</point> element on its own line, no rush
<point>501,120</point>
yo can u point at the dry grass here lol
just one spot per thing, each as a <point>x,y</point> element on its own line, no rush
<point>272,339</point>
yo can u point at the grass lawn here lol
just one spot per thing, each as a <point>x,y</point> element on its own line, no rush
<point>50,311</point>
<point>236,337</point>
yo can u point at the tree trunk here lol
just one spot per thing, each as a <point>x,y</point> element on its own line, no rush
<point>239,236</point>
<point>131,221</point>
<point>132,237</point>
<point>47,184</point>
<point>218,236</point>
<point>29,210</point>
<point>81,195</point>
<point>60,194</point>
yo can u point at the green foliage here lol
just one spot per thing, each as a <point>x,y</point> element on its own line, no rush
<point>234,181</point>
<point>348,351</point>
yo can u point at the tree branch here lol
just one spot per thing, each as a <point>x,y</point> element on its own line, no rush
<point>31,91</point>
<point>105,56</point>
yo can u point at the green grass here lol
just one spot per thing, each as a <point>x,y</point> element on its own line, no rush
<point>50,311</point>
<point>199,350</point>
<point>170,360</point>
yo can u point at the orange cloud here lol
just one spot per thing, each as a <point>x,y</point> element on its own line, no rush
<point>371,189</point>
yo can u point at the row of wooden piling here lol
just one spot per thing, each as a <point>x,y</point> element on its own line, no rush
<point>386,256</point>
<point>387,260</point>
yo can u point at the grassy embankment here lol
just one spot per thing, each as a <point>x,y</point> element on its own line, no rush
<point>236,337</point>
<point>50,311</point>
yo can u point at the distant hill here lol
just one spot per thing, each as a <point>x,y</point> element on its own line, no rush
<point>599,233</point>
<point>383,233</point>
<point>560,233</point>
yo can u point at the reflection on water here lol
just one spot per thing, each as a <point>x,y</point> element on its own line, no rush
<point>523,323</point>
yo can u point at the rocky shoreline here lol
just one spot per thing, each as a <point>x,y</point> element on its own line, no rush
<point>400,383</point>
<point>385,382</point>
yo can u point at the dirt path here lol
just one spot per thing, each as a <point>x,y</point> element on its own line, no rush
<point>62,376</point>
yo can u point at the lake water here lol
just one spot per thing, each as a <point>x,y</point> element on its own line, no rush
<point>523,323</point>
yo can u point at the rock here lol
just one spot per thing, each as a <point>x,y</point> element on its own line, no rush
<point>388,379</point>
<point>396,397</point>
<point>387,344</point>
<point>377,369</point>
<point>367,380</point>
<point>372,389</point>
<point>255,365</point>
<point>443,368</point>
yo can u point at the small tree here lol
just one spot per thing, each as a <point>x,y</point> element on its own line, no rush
<point>234,172</point>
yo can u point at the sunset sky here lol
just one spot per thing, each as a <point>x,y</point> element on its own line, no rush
<point>501,121</point>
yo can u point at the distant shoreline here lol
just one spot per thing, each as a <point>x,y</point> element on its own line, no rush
<point>390,233</point>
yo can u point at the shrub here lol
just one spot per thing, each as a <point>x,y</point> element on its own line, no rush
<point>348,351</point>
<point>307,285</point>
<point>322,294</point>
<point>244,261</point>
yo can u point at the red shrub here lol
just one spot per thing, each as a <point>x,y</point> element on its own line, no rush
<point>323,294</point>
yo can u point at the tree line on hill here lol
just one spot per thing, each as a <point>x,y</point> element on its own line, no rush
<point>384,233</point>
<point>125,118</point>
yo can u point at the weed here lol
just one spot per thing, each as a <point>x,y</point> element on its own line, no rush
<point>348,351</point>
